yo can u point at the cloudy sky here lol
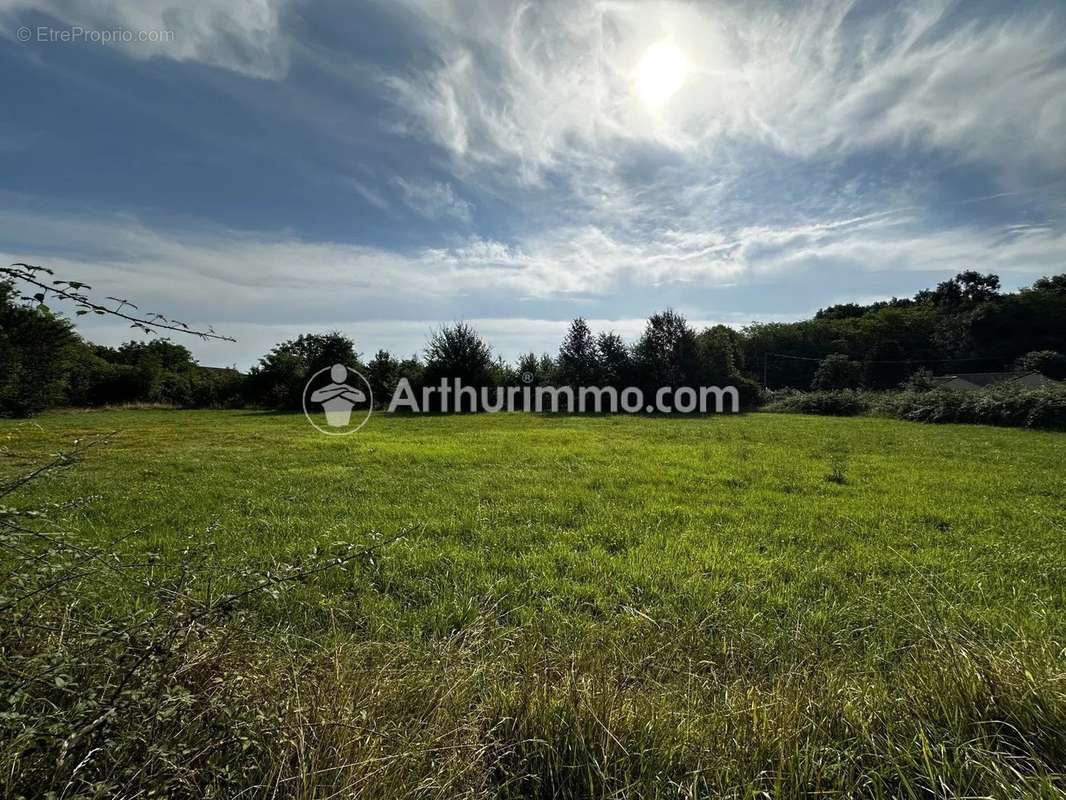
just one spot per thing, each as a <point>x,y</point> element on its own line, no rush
<point>279,166</point>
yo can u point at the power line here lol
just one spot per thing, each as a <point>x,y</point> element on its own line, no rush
<point>901,361</point>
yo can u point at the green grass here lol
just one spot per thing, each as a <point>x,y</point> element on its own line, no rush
<point>613,606</point>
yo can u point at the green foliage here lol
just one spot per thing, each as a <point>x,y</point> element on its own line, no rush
<point>667,353</point>
<point>537,370</point>
<point>837,371</point>
<point>843,403</point>
<point>921,380</point>
<point>967,288</point>
<point>457,352</point>
<point>616,360</point>
<point>1004,405</point>
<point>579,356</point>
<point>35,352</point>
<point>720,354</point>
<point>280,377</point>
<point>1009,406</point>
<point>383,374</point>
<point>1054,284</point>
<point>965,325</point>
<point>44,363</point>
<point>1046,362</point>
<point>155,372</point>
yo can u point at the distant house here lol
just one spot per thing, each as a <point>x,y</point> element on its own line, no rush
<point>969,381</point>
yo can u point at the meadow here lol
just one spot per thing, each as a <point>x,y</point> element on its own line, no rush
<point>763,605</point>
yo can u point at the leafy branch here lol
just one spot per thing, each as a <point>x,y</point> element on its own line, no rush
<point>75,292</point>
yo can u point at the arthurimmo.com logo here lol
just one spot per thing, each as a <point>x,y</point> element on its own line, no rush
<point>338,400</point>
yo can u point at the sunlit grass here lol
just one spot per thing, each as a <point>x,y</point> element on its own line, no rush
<point>623,606</point>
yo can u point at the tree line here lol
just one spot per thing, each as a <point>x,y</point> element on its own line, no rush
<point>965,324</point>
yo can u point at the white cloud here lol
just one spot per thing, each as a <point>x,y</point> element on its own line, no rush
<point>244,36</point>
<point>220,275</point>
<point>434,200</point>
<point>539,86</point>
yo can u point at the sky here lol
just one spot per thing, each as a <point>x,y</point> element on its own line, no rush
<point>276,167</point>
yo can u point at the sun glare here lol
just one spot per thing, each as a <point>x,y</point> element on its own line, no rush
<point>660,73</point>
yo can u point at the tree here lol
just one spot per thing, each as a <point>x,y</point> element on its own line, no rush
<point>837,371</point>
<point>969,287</point>
<point>413,370</point>
<point>537,370</point>
<point>616,361</point>
<point>1054,284</point>
<point>383,373</point>
<point>44,361</point>
<point>457,352</point>
<point>280,377</point>
<point>719,354</point>
<point>165,355</point>
<point>842,311</point>
<point>35,353</point>
<point>579,358</point>
<point>666,354</point>
<point>1046,362</point>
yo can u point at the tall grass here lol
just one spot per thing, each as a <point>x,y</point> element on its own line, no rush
<point>808,646</point>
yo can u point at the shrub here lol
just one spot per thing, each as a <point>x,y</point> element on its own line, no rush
<point>751,394</point>
<point>1006,406</point>
<point>1046,362</point>
<point>216,388</point>
<point>844,403</point>
<point>1049,411</point>
<point>919,381</point>
<point>1044,407</point>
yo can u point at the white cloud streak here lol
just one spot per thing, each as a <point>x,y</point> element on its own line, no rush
<point>537,85</point>
<point>219,276</point>
<point>434,200</point>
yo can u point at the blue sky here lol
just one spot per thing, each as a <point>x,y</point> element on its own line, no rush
<point>273,167</point>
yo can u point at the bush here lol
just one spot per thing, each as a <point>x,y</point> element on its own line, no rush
<point>1048,412</point>
<point>1046,362</point>
<point>216,388</point>
<point>1005,406</point>
<point>1008,406</point>
<point>919,381</point>
<point>843,403</point>
<point>751,394</point>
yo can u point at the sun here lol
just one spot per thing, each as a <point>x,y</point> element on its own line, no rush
<point>660,73</point>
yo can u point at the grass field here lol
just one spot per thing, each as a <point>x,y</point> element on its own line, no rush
<point>762,605</point>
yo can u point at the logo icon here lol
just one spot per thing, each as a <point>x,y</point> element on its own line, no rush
<point>342,398</point>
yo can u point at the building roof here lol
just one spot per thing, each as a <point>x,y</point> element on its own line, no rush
<point>982,379</point>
